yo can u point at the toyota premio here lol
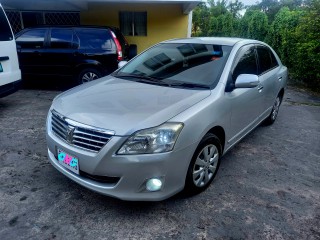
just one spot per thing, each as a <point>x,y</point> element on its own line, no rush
<point>161,122</point>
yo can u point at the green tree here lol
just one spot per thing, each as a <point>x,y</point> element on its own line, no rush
<point>224,25</point>
<point>306,60</point>
<point>254,24</point>
<point>281,34</point>
<point>235,7</point>
<point>201,20</point>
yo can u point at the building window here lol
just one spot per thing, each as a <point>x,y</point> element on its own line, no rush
<point>133,23</point>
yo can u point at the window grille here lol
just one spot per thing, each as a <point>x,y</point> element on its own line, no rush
<point>15,20</point>
<point>49,18</point>
<point>62,18</point>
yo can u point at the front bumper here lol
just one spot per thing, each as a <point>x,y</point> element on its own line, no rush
<point>9,88</point>
<point>131,170</point>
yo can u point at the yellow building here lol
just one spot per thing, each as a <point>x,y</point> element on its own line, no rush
<point>143,22</point>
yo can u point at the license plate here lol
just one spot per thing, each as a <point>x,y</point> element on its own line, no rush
<point>68,161</point>
<point>1,69</point>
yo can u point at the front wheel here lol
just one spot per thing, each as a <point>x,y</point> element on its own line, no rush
<point>204,165</point>
<point>88,75</point>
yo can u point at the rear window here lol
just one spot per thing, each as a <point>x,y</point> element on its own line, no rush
<point>5,31</point>
<point>95,39</point>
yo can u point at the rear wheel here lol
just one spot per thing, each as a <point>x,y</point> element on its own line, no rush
<point>275,110</point>
<point>88,75</point>
<point>204,165</point>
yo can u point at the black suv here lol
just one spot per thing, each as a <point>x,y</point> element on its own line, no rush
<point>82,52</point>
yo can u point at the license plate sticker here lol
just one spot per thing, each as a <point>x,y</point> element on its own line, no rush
<point>1,69</point>
<point>68,161</point>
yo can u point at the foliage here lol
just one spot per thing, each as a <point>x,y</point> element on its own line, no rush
<point>307,36</point>
<point>281,34</point>
<point>254,24</point>
<point>291,27</point>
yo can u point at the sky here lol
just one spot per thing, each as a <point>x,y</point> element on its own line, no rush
<point>249,2</point>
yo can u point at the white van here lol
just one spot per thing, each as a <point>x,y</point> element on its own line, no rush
<point>10,75</point>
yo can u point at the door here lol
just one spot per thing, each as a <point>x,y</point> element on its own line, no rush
<point>31,46</point>
<point>269,76</point>
<point>245,102</point>
<point>59,55</point>
<point>9,67</point>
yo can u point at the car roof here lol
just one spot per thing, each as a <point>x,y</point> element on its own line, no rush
<point>71,26</point>
<point>228,41</point>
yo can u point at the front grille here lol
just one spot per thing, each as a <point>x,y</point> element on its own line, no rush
<point>79,135</point>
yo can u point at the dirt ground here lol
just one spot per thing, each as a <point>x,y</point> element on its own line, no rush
<point>268,186</point>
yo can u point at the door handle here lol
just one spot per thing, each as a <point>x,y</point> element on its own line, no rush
<point>4,58</point>
<point>260,87</point>
<point>279,79</point>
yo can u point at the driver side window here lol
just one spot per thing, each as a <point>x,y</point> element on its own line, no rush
<point>246,62</point>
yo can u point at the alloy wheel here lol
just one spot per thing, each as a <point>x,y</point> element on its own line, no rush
<point>205,165</point>
<point>89,76</point>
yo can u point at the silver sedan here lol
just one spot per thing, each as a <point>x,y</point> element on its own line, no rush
<point>161,123</point>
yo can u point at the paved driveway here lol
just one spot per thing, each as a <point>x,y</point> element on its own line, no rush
<point>268,186</point>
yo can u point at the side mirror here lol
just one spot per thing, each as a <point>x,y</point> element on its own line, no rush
<point>247,81</point>
<point>122,63</point>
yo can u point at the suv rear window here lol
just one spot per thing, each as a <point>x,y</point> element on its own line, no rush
<point>95,39</point>
<point>5,31</point>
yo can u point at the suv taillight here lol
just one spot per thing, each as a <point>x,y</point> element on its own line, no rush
<point>118,45</point>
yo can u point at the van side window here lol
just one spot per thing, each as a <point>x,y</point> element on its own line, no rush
<point>5,31</point>
<point>61,38</point>
<point>32,39</point>
<point>245,62</point>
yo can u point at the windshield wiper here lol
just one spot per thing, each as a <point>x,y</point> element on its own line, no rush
<point>143,79</point>
<point>189,85</point>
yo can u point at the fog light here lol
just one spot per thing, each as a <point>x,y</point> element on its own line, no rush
<point>153,184</point>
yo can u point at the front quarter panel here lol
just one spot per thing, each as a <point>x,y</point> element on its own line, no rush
<point>202,117</point>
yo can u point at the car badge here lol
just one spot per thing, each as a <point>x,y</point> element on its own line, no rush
<point>70,132</point>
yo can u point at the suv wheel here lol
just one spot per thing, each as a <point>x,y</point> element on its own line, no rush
<point>88,75</point>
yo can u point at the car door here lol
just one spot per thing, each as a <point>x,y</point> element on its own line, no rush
<point>31,46</point>
<point>59,55</point>
<point>246,103</point>
<point>9,67</point>
<point>269,76</point>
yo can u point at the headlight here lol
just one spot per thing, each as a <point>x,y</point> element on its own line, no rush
<point>153,140</point>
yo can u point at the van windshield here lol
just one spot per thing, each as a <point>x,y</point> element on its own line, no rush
<point>174,64</point>
<point>5,30</point>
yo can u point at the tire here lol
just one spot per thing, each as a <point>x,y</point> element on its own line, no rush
<point>88,75</point>
<point>275,110</point>
<point>200,166</point>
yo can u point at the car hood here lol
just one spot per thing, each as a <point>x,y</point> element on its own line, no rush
<point>125,106</point>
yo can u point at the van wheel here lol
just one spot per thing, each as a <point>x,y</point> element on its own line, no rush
<point>204,165</point>
<point>88,75</point>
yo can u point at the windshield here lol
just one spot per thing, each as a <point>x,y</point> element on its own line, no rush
<point>178,64</point>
